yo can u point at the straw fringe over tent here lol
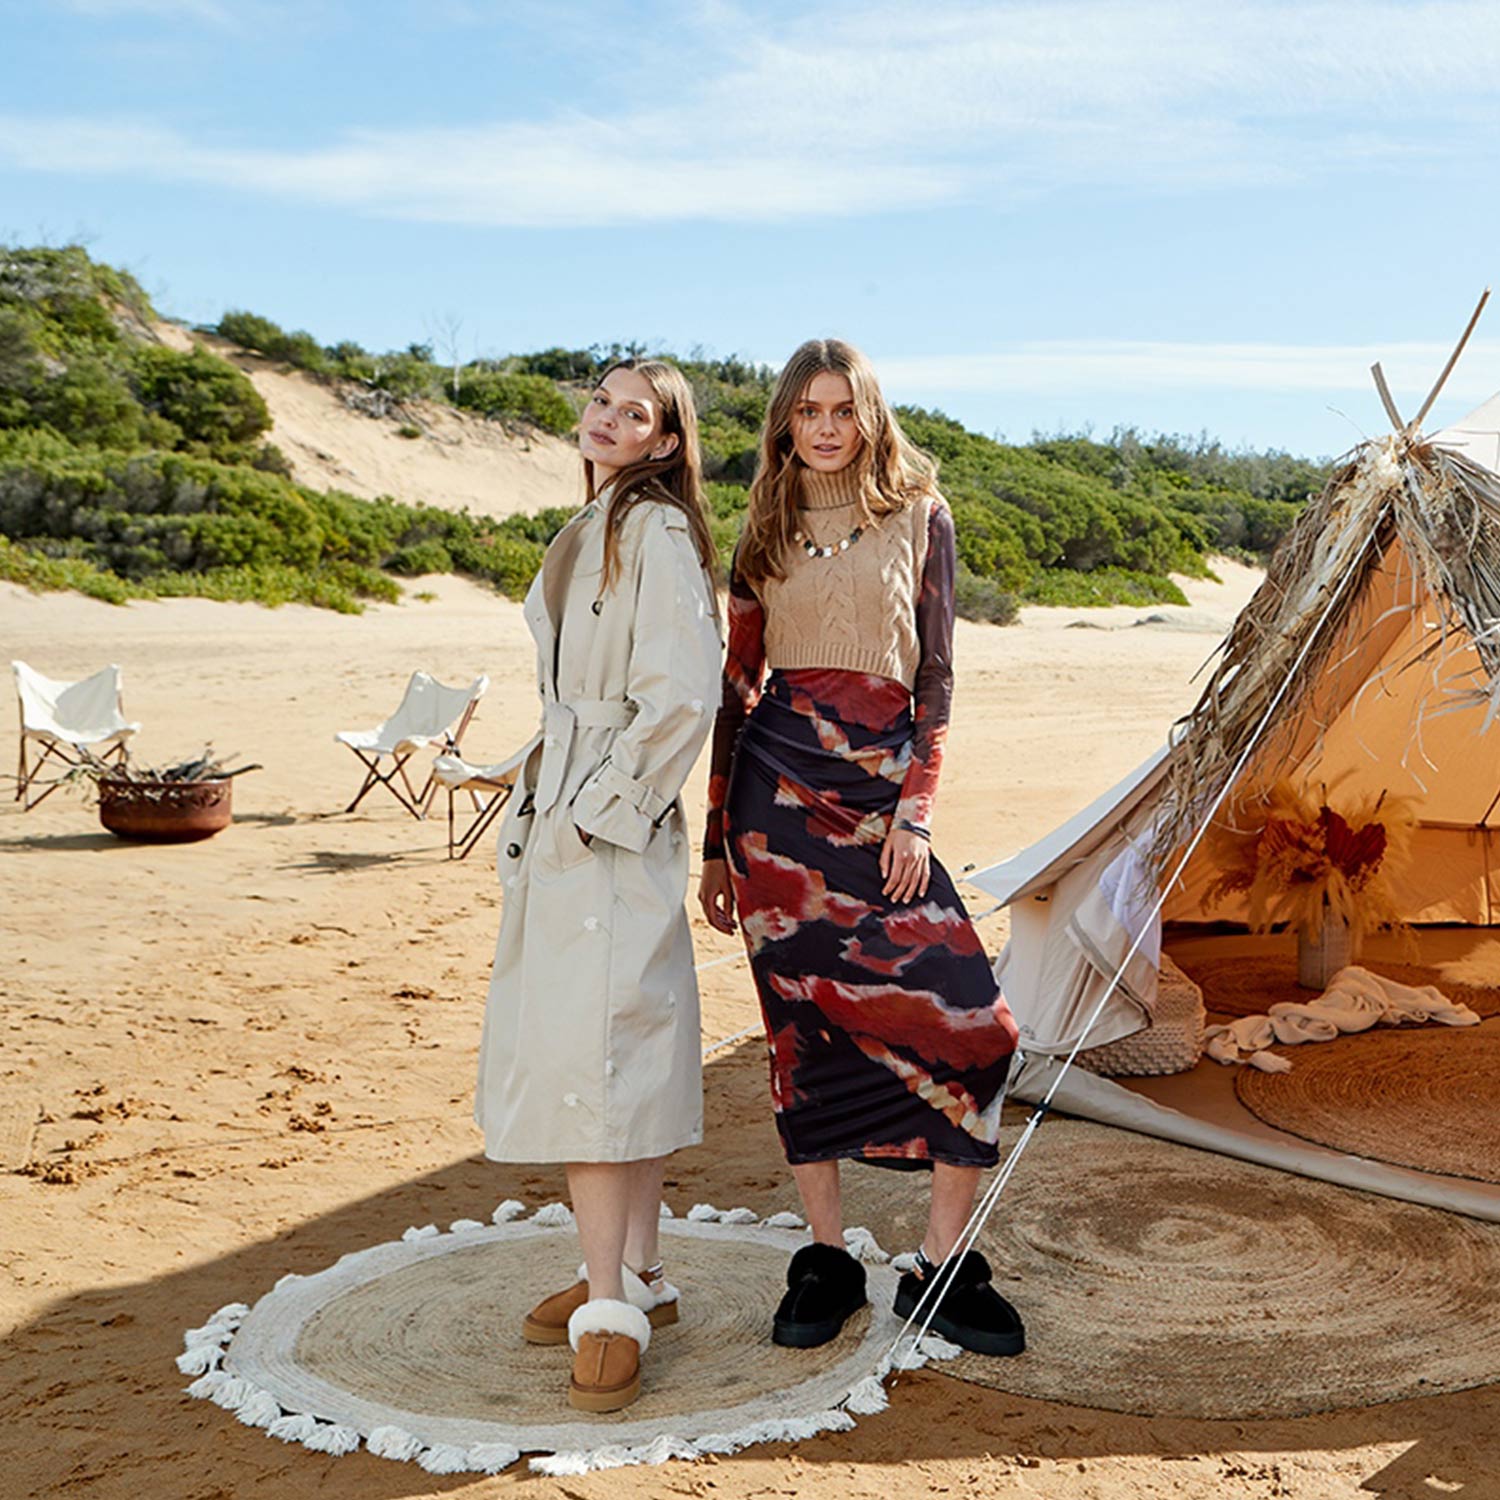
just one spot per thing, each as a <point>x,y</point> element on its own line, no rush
<point>1445,510</point>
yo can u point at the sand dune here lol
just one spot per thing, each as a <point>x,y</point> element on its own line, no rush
<point>460,460</point>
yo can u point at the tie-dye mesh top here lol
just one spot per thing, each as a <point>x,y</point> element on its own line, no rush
<point>932,691</point>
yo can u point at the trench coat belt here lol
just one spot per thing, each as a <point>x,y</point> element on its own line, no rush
<point>559,720</point>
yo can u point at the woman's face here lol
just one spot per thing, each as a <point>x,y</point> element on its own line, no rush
<point>824,433</point>
<point>622,425</point>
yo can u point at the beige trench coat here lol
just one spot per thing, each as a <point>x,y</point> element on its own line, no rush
<point>591,1048</point>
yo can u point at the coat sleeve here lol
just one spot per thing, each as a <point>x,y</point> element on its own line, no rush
<point>671,680</point>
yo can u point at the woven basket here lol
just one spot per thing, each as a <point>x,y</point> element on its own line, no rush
<point>1172,1043</point>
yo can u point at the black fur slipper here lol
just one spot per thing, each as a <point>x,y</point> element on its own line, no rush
<point>971,1313</point>
<point>825,1286</point>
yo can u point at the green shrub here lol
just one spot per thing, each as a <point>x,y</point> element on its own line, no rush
<point>421,557</point>
<point>260,335</point>
<point>91,404</point>
<point>205,397</point>
<point>1101,587</point>
<point>35,571</point>
<point>533,398</point>
<point>250,331</point>
<point>406,376</point>
<point>508,562</point>
<point>983,599</point>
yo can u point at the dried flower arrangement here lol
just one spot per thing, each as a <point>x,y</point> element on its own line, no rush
<point>1301,860</point>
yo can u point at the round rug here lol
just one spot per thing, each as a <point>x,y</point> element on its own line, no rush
<point>1249,985</point>
<point>1427,1099</point>
<point>414,1348</point>
<point>1164,1281</point>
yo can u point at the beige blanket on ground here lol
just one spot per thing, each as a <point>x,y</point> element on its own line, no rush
<point>1355,1000</point>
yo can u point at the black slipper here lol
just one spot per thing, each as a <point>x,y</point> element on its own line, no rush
<point>971,1313</point>
<point>825,1287</point>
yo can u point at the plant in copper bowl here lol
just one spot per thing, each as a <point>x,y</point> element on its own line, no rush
<point>172,804</point>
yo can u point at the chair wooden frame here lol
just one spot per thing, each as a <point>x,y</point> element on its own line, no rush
<point>28,776</point>
<point>486,810</point>
<point>56,746</point>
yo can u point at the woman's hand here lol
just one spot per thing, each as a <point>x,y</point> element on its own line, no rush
<point>905,862</point>
<point>716,895</point>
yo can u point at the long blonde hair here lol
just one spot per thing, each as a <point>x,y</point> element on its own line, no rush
<point>893,472</point>
<point>676,479</point>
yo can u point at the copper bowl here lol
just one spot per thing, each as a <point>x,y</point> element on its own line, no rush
<point>165,812</point>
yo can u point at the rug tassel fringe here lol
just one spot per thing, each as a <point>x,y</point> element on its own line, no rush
<point>205,1348</point>
<point>393,1442</point>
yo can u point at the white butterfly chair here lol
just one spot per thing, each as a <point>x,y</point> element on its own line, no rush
<point>488,787</point>
<point>429,714</point>
<point>65,719</point>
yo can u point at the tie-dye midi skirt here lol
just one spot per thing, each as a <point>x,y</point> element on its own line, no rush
<point>889,1040</point>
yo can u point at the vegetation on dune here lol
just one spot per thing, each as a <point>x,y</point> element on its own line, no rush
<point>132,470</point>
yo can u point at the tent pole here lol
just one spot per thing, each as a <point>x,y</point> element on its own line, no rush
<point>1442,379</point>
<point>1386,399</point>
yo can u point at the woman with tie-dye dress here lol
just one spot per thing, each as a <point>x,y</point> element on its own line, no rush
<point>889,1040</point>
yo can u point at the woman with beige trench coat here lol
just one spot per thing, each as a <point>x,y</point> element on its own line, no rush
<point>591,1047</point>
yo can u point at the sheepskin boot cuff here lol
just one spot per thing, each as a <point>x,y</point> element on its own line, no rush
<point>604,1315</point>
<point>647,1296</point>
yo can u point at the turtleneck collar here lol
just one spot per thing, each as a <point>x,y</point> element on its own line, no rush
<point>830,491</point>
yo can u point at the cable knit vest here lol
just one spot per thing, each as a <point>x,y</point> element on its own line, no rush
<point>856,610</point>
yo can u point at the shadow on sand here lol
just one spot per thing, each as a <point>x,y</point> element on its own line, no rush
<point>100,1409</point>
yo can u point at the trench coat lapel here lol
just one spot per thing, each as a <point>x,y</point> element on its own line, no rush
<point>546,601</point>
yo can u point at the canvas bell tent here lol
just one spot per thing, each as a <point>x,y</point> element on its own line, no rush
<point>1368,659</point>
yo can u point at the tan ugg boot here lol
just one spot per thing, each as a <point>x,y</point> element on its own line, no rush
<point>608,1340</point>
<point>547,1322</point>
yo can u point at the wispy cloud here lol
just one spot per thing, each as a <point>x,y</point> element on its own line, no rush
<point>589,171</point>
<point>843,110</point>
<point>1067,368</point>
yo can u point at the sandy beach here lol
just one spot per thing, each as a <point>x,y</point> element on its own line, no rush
<point>251,1055</point>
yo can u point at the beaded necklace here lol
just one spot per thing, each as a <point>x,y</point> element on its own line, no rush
<point>832,549</point>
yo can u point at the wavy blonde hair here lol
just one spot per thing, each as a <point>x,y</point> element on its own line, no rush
<point>893,472</point>
<point>676,479</point>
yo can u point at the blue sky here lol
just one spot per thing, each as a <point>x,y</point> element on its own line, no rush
<point>1059,213</point>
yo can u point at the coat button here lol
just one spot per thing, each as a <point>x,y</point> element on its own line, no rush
<point>514,850</point>
<point>571,1100</point>
<point>591,924</point>
<point>597,606</point>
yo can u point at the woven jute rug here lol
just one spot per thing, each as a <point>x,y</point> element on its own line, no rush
<point>414,1350</point>
<point>1250,985</point>
<point>1160,1280</point>
<point>1427,1099</point>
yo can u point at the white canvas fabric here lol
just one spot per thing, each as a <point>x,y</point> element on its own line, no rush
<point>427,711</point>
<point>1477,434</point>
<point>84,713</point>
